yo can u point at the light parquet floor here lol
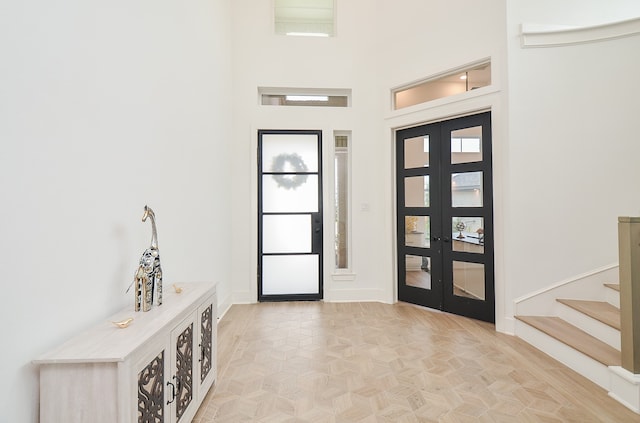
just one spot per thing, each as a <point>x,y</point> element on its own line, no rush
<point>372,362</point>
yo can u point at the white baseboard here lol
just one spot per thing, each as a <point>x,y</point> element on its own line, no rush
<point>506,325</point>
<point>625,388</point>
<point>355,295</point>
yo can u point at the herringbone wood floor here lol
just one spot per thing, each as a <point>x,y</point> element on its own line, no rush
<point>371,362</point>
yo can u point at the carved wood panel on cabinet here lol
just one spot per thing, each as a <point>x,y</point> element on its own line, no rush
<point>158,370</point>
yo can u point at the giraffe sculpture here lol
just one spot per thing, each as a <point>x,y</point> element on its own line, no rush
<point>148,278</point>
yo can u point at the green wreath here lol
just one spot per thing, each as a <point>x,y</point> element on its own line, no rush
<point>296,163</point>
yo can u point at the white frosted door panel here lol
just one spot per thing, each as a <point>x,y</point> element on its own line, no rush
<point>290,274</point>
<point>278,197</point>
<point>289,153</point>
<point>286,233</point>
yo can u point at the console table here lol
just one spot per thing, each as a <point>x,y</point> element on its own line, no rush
<point>158,369</point>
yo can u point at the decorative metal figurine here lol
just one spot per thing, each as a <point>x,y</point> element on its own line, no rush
<point>148,278</point>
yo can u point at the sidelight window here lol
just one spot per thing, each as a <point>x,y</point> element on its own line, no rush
<point>341,200</point>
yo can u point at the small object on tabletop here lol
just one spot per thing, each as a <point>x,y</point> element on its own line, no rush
<point>123,323</point>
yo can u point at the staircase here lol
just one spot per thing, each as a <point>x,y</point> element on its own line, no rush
<point>583,334</point>
<point>577,321</point>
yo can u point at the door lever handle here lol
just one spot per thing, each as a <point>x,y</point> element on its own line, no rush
<point>436,238</point>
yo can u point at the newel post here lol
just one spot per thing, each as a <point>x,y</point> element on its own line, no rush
<point>629,259</point>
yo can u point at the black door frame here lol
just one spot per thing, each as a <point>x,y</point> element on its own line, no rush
<point>317,219</point>
<point>441,295</point>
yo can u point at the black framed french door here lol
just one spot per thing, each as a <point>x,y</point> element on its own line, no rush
<point>445,216</point>
<point>289,215</point>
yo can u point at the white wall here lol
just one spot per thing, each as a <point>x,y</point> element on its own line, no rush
<point>573,151</point>
<point>105,107</point>
<point>422,38</point>
<point>350,60</point>
<point>94,98</point>
<point>549,112</point>
<point>378,45</point>
<point>427,38</point>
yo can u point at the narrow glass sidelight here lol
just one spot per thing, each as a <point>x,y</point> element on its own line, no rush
<point>342,160</point>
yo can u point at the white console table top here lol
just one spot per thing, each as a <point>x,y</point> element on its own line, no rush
<point>106,342</point>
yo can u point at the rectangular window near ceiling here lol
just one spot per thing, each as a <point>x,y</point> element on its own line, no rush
<point>461,80</point>
<point>304,97</point>
<point>341,199</point>
<point>310,18</point>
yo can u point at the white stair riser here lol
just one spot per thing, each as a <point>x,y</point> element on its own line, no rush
<point>593,327</point>
<point>593,370</point>
<point>612,297</point>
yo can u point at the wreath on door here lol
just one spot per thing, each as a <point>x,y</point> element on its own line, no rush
<point>289,163</point>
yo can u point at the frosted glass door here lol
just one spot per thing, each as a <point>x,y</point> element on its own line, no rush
<point>290,215</point>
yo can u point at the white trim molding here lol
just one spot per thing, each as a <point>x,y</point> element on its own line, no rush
<point>535,35</point>
<point>588,285</point>
<point>625,387</point>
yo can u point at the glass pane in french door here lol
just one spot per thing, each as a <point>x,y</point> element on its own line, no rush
<point>466,145</point>
<point>468,280</point>
<point>416,152</point>
<point>416,191</point>
<point>418,230</point>
<point>467,234</point>
<point>418,271</point>
<point>466,189</point>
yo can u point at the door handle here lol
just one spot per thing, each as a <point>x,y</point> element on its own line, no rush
<point>445,239</point>
<point>173,392</point>
<point>436,238</point>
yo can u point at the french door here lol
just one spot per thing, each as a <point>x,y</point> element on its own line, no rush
<point>289,215</point>
<point>445,216</point>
